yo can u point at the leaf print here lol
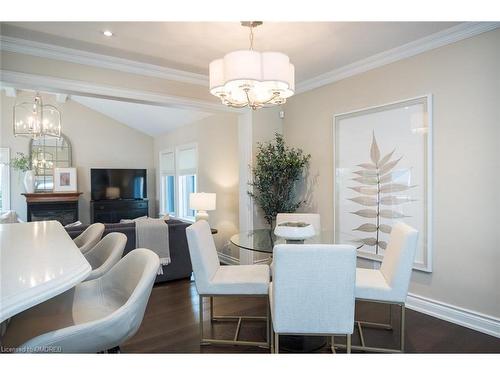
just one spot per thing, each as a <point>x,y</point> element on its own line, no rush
<point>384,228</point>
<point>366,180</point>
<point>369,241</point>
<point>385,159</point>
<point>365,201</point>
<point>389,166</point>
<point>389,177</point>
<point>365,190</point>
<point>374,151</point>
<point>366,173</point>
<point>366,213</point>
<point>394,188</point>
<point>367,228</point>
<point>394,200</point>
<point>367,166</point>
<point>390,214</point>
<point>379,185</point>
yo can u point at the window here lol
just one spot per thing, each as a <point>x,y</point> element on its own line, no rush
<point>167,182</point>
<point>187,185</point>
<point>187,163</point>
<point>178,178</point>
<point>4,179</point>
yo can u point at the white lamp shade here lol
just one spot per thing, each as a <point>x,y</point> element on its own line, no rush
<point>202,201</point>
<point>242,66</point>
<point>276,67</point>
<point>216,69</point>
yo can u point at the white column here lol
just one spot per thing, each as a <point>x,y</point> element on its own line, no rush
<point>245,176</point>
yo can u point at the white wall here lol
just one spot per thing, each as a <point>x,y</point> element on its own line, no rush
<point>218,166</point>
<point>464,79</point>
<point>97,140</point>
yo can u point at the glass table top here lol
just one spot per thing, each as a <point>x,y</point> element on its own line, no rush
<point>263,240</point>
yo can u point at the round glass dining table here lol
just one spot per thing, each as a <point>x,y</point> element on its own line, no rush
<point>263,241</point>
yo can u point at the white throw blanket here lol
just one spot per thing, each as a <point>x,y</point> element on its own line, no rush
<point>153,234</point>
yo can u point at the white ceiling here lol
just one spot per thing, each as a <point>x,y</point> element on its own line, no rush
<point>314,47</point>
<point>150,119</point>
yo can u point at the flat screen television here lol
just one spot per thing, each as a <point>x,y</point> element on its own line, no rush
<point>109,184</point>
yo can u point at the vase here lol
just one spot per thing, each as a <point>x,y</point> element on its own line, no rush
<point>29,181</point>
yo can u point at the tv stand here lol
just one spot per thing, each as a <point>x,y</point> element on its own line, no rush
<point>112,211</point>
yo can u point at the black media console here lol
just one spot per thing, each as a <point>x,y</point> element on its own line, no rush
<point>112,211</point>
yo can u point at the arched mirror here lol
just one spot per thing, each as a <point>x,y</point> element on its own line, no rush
<point>46,154</point>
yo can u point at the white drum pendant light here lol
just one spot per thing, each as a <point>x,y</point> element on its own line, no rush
<point>251,78</point>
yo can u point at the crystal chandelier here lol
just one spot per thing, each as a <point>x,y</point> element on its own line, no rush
<point>251,78</point>
<point>34,119</point>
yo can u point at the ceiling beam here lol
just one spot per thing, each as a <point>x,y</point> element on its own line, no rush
<point>27,81</point>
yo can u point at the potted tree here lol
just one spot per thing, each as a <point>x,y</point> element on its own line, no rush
<point>277,169</point>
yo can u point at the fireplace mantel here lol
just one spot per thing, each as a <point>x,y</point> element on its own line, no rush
<point>51,197</point>
<point>62,207</point>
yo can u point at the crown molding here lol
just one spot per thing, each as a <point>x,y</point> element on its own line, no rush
<point>439,39</point>
<point>50,51</point>
<point>27,81</point>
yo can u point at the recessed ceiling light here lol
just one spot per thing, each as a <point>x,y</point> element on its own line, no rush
<point>107,33</point>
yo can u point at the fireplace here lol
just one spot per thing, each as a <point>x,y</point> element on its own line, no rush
<point>62,207</point>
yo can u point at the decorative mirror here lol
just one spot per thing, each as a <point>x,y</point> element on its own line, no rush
<point>47,153</point>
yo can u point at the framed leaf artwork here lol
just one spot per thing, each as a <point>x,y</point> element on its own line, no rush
<point>383,169</point>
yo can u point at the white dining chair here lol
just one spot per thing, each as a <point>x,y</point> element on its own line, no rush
<point>89,237</point>
<point>94,316</point>
<point>389,284</point>
<point>312,292</point>
<point>313,219</point>
<point>105,254</point>
<point>213,280</point>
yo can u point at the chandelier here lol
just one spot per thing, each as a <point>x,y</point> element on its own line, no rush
<point>251,78</point>
<point>34,119</point>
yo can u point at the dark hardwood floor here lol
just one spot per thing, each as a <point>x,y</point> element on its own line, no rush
<point>170,325</point>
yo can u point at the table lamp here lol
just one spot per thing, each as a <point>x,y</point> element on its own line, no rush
<point>202,202</point>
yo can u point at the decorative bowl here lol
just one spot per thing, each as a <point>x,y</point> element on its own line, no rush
<point>294,231</point>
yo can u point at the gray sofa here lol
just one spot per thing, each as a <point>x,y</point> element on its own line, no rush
<point>180,265</point>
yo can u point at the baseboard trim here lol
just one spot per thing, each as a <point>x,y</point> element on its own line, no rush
<point>454,314</point>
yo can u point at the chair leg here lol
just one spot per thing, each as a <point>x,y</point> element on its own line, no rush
<point>201,319</point>
<point>272,338</point>
<point>348,344</point>
<point>402,333</point>
<point>268,323</point>
<point>276,343</point>
<point>211,309</point>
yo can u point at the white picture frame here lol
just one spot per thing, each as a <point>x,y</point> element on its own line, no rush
<point>406,127</point>
<point>65,180</point>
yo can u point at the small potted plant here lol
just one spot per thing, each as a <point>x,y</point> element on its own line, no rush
<point>22,164</point>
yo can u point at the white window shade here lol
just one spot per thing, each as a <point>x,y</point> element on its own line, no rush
<point>167,163</point>
<point>187,161</point>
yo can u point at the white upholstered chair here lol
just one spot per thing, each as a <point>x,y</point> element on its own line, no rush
<point>312,292</point>
<point>89,237</point>
<point>94,316</point>
<point>313,219</point>
<point>214,280</point>
<point>105,254</point>
<point>389,284</point>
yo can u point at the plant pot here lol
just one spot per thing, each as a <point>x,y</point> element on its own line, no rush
<point>29,181</point>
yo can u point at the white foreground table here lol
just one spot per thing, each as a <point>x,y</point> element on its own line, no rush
<point>38,261</point>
